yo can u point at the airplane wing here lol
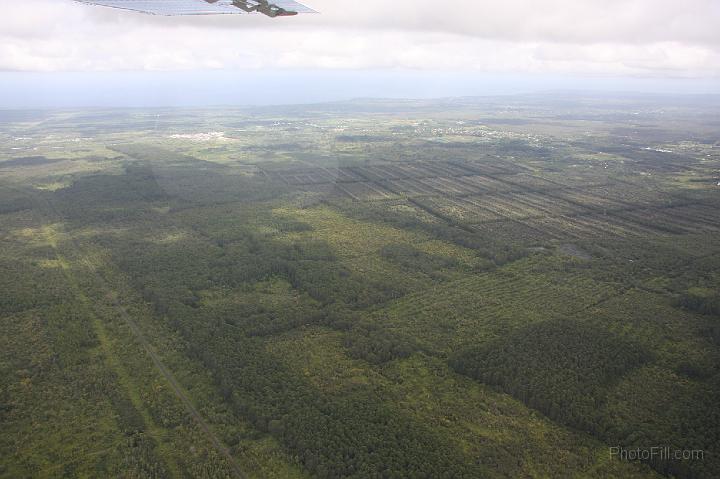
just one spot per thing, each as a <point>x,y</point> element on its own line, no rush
<point>205,7</point>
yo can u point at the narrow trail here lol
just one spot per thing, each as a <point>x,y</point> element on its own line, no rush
<point>178,390</point>
<point>137,332</point>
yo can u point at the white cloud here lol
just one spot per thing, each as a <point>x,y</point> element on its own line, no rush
<point>606,37</point>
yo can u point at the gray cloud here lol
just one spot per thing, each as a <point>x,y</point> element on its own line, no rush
<point>600,37</point>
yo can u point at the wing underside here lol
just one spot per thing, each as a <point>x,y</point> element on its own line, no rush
<point>190,7</point>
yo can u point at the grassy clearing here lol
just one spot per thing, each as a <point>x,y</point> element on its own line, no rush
<point>487,305</point>
<point>358,245</point>
<point>489,426</point>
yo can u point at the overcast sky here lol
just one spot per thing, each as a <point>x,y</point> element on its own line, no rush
<point>650,40</point>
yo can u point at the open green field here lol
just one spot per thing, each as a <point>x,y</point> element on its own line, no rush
<point>471,288</point>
